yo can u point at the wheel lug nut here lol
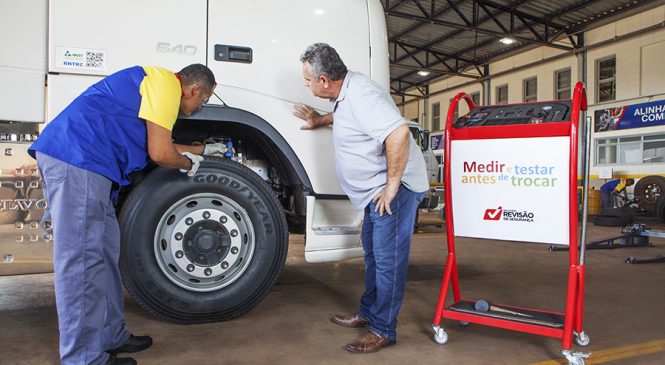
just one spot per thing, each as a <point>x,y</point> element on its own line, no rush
<point>223,219</point>
<point>179,254</point>
<point>234,250</point>
<point>178,236</point>
<point>225,265</point>
<point>190,267</point>
<point>234,233</point>
<point>208,272</point>
<point>206,215</point>
<point>189,221</point>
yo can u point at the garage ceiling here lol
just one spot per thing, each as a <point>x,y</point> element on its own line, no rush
<point>459,37</point>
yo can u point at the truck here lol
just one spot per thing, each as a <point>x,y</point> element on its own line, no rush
<point>432,198</point>
<point>210,247</point>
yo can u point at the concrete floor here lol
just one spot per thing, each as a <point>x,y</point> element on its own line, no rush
<point>625,305</point>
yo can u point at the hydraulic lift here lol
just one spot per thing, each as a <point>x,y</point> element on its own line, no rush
<point>636,235</point>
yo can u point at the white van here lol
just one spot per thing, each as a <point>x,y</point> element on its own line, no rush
<point>236,213</point>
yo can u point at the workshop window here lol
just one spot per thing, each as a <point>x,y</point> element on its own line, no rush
<point>631,150</point>
<point>530,90</point>
<point>654,149</point>
<point>606,151</point>
<point>562,84</point>
<point>606,76</point>
<point>436,117</point>
<point>476,98</point>
<point>502,94</point>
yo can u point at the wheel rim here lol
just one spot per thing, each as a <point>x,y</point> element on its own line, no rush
<point>652,192</point>
<point>204,242</point>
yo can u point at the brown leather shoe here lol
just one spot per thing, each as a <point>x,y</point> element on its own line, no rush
<point>368,343</point>
<point>351,321</point>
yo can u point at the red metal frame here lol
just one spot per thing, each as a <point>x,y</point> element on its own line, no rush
<point>575,294</point>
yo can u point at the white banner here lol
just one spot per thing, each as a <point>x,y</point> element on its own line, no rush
<point>513,189</point>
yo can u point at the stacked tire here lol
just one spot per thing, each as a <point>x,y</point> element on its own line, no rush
<point>660,208</point>
<point>614,217</point>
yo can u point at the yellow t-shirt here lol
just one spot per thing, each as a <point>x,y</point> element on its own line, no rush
<point>160,96</point>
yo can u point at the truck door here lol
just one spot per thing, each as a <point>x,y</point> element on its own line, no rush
<point>254,50</point>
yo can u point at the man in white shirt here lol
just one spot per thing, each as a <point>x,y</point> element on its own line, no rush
<point>382,171</point>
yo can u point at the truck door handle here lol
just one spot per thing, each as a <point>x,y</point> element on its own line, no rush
<point>227,53</point>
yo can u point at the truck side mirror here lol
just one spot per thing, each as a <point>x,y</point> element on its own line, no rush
<point>425,140</point>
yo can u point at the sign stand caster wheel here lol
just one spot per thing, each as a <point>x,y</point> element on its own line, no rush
<point>440,336</point>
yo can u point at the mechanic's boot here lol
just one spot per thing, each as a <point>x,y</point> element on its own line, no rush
<point>112,360</point>
<point>133,344</point>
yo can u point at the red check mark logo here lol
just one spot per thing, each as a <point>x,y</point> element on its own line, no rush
<point>493,214</point>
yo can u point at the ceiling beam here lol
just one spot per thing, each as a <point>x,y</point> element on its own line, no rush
<point>475,62</point>
<point>552,32</point>
<point>420,24</point>
<point>492,16</point>
<point>398,14</point>
<point>438,72</point>
<point>426,48</point>
<point>533,18</point>
<point>422,9</point>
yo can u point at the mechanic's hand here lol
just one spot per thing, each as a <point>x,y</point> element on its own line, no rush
<point>308,114</point>
<point>214,148</point>
<point>384,198</point>
<point>196,162</point>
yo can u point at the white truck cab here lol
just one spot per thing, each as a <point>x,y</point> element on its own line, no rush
<point>430,200</point>
<point>279,180</point>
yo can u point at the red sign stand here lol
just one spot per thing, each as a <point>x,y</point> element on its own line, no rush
<point>565,326</point>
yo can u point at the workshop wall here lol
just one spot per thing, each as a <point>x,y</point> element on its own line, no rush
<point>636,43</point>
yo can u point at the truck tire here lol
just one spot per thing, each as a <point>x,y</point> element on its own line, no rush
<point>610,221</point>
<point>649,189</point>
<point>204,248</point>
<point>660,208</point>
<point>615,212</point>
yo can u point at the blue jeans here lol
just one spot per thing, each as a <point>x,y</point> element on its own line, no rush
<point>386,241</point>
<point>88,290</point>
<point>607,200</point>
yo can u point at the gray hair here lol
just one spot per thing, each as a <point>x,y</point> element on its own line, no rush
<point>198,74</point>
<point>324,61</point>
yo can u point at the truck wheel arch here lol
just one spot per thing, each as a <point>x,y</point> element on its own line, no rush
<point>276,143</point>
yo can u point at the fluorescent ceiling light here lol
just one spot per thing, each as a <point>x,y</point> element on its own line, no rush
<point>319,11</point>
<point>423,73</point>
<point>507,40</point>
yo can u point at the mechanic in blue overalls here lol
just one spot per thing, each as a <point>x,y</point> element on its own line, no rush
<point>612,188</point>
<point>84,156</point>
